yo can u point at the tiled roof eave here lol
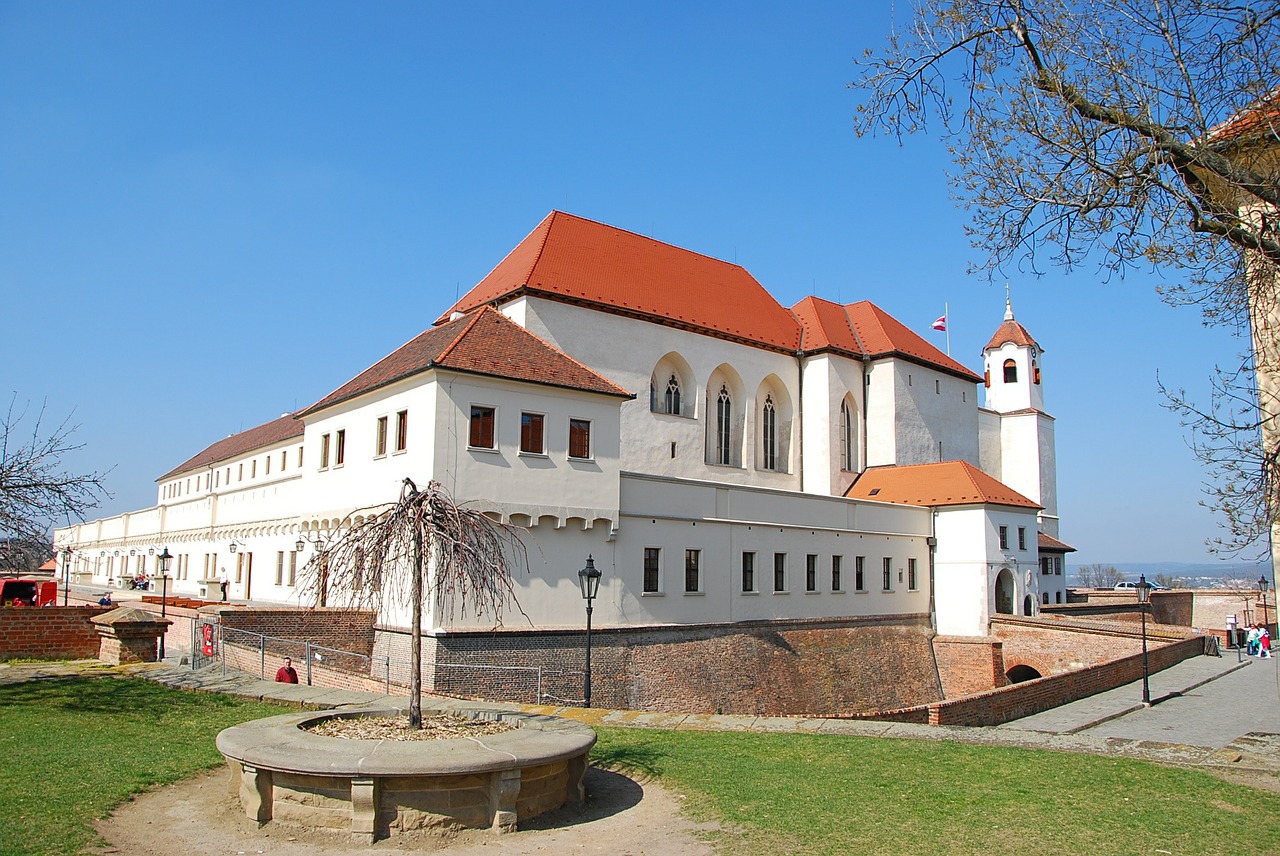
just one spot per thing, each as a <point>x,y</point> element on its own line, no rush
<point>641,315</point>
<point>325,405</point>
<point>963,373</point>
<point>622,394</point>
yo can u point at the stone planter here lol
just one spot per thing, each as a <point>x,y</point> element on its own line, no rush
<point>376,788</point>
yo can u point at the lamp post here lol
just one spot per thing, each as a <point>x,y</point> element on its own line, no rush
<point>1262,591</point>
<point>589,580</point>
<point>1144,603</point>
<point>66,574</point>
<point>163,559</point>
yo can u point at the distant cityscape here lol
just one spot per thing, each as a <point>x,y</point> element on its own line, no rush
<point>1187,574</point>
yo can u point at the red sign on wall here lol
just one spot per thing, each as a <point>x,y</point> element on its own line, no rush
<point>206,643</point>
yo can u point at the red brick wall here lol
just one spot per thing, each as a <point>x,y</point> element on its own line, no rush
<point>1060,644</point>
<point>772,668</point>
<point>340,629</point>
<point>969,664</point>
<point>49,633</point>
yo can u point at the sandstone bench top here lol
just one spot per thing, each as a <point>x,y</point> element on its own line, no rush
<point>280,743</point>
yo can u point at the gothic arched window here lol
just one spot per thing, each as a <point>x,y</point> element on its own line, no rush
<point>769,435</point>
<point>724,423</point>
<point>672,400</point>
<point>846,437</point>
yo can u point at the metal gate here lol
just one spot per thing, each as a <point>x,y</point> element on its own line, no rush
<point>206,642</point>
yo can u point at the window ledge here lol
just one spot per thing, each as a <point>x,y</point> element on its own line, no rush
<point>525,454</point>
<point>749,593</point>
<point>588,460</point>
<point>815,591</point>
<point>490,449</point>
<point>653,594</point>
<point>782,592</point>
<point>694,593</point>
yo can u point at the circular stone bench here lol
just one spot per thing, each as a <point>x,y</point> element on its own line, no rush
<point>373,788</point>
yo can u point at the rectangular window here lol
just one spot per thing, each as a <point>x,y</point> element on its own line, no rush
<point>531,433</point>
<point>1046,566</point>
<point>284,460</point>
<point>748,571</point>
<point>836,582</point>
<point>228,479</point>
<point>859,581</point>
<point>253,470</point>
<point>380,438</point>
<point>1022,537</point>
<point>280,567</point>
<point>1057,565</point>
<point>300,457</point>
<point>652,556</point>
<point>691,576</point>
<point>217,479</point>
<point>340,448</point>
<point>811,572</point>
<point>481,428</point>
<point>579,438</point>
<point>1004,537</point>
<point>911,574</point>
<point>402,430</point>
<point>324,451</point>
<point>293,567</point>
<point>267,460</point>
<point>240,566</point>
<point>779,571</point>
<point>888,574</point>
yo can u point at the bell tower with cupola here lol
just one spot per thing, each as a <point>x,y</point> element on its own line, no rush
<point>1015,434</point>
<point>1011,367</point>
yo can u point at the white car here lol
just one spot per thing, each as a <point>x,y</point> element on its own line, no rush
<point>1128,585</point>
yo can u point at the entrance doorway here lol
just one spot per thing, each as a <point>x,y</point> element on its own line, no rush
<point>1004,592</point>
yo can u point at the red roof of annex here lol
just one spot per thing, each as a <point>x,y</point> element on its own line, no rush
<point>931,485</point>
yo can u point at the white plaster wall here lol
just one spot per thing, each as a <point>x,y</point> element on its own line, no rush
<point>880,399</point>
<point>936,416</point>
<point>626,351</point>
<point>969,559</point>
<point>828,380</point>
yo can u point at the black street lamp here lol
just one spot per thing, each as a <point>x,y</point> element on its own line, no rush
<point>66,574</point>
<point>1262,591</point>
<point>163,559</point>
<point>589,580</point>
<point>1144,603</point>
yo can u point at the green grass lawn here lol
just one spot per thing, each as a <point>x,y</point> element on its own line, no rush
<point>71,749</point>
<point>810,794</point>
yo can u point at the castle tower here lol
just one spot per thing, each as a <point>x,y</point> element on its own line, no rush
<point>1011,368</point>
<point>1015,433</point>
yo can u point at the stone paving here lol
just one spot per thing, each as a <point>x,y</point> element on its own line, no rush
<point>1208,712</point>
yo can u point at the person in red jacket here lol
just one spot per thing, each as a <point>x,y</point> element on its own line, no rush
<point>287,674</point>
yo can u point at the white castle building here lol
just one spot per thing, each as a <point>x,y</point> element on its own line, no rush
<point>724,459</point>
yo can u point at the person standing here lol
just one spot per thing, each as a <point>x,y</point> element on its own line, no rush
<point>1264,643</point>
<point>224,582</point>
<point>286,674</point>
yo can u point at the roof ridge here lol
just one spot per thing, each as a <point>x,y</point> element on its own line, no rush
<point>848,319</point>
<point>466,328</point>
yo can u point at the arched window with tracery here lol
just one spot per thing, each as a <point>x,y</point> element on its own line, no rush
<point>1010,371</point>
<point>724,427</point>
<point>846,437</point>
<point>769,435</point>
<point>671,400</point>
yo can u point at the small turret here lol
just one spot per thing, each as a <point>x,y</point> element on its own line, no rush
<point>1011,367</point>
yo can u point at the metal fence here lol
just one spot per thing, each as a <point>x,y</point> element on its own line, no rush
<point>320,665</point>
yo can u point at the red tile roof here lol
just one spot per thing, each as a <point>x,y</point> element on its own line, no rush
<point>1258,121</point>
<point>1053,545</point>
<point>577,260</point>
<point>946,483</point>
<point>863,328</point>
<point>483,342</point>
<point>284,428</point>
<point>1011,331</point>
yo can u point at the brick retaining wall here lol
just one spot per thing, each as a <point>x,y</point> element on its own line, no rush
<point>969,664</point>
<point>340,629</point>
<point>49,633</point>
<point>765,668</point>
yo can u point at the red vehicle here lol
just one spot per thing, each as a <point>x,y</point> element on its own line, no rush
<point>26,592</point>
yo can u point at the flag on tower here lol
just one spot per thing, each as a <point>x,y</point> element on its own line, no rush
<point>941,323</point>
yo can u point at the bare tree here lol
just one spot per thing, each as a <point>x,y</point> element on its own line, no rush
<point>1126,133</point>
<point>1100,576</point>
<point>423,549</point>
<point>1167,580</point>
<point>36,492</point>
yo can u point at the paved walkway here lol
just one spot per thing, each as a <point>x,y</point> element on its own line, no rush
<point>1209,712</point>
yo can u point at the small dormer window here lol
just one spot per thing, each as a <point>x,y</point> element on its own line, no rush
<point>1010,371</point>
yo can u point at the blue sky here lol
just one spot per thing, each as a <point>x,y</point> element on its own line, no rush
<point>211,214</point>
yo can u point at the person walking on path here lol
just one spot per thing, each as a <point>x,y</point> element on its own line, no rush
<point>286,673</point>
<point>1264,643</point>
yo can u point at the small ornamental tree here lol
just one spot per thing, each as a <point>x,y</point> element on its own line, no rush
<point>425,548</point>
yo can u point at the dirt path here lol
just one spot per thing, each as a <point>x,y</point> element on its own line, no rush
<point>622,817</point>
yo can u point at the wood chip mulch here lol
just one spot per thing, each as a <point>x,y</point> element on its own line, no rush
<point>438,727</point>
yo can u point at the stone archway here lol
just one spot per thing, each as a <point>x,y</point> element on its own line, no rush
<point>1028,605</point>
<point>1021,673</point>
<point>1004,592</point>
